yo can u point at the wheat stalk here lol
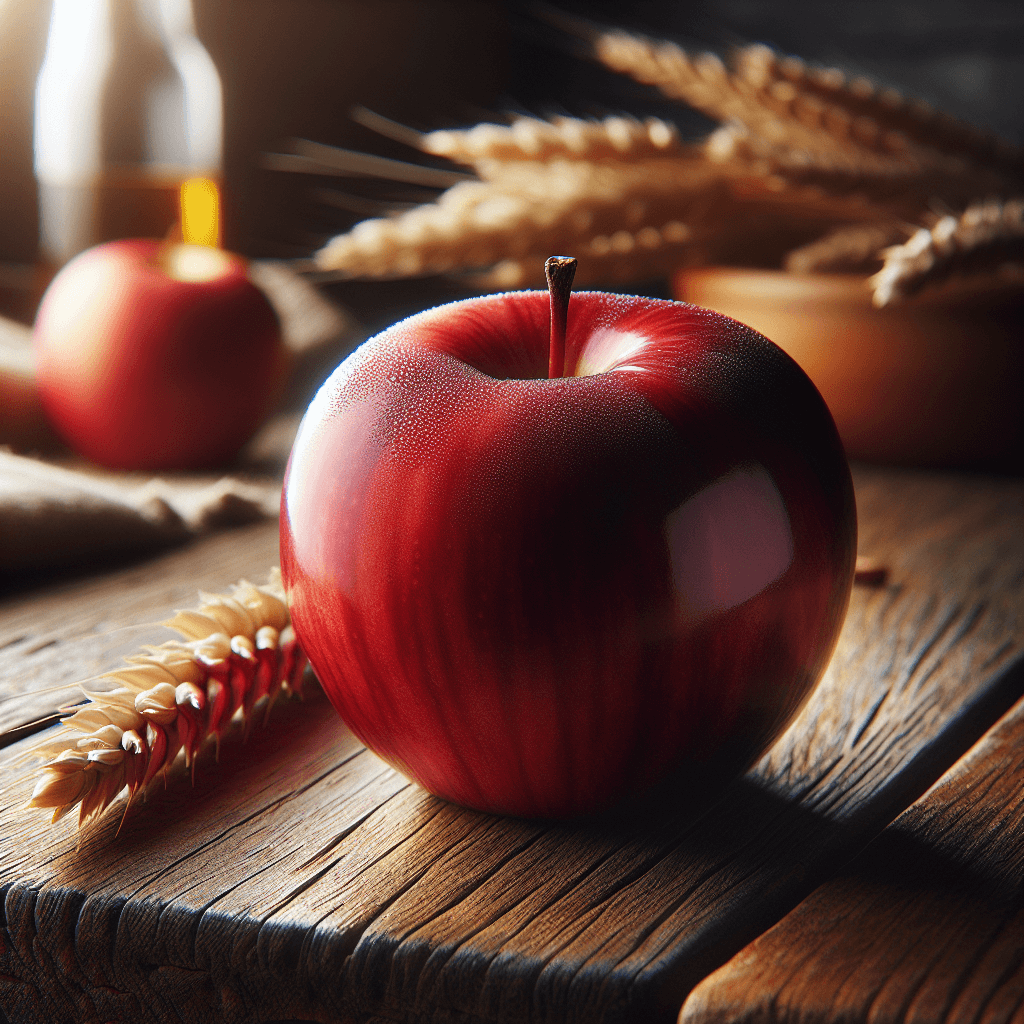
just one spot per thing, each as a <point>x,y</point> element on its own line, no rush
<point>237,656</point>
<point>985,236</point>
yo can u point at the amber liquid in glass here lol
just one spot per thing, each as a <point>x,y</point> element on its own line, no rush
<point>122,203</point>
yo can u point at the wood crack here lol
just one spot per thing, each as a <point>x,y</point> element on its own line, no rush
<point>344,833</point>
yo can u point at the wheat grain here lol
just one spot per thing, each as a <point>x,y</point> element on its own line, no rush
<point>237,656</point>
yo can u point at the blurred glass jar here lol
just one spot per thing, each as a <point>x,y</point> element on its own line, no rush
<point>128,107</point>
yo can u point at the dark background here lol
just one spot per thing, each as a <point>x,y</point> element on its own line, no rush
<point>294,68</point>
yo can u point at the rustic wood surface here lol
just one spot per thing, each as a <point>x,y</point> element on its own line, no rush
<point>303,879</point>
<point>927,924</point>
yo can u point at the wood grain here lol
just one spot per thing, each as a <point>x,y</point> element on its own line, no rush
<point>302,879</point>
<point>926,925</point>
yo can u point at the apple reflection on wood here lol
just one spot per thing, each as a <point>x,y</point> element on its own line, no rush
<point>541,595</point>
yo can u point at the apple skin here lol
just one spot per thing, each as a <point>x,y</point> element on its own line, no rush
<point>139,369</point>
<point>540,597</point>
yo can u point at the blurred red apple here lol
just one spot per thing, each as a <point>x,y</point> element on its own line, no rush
<point>155,356</point>
<point>540,596</point>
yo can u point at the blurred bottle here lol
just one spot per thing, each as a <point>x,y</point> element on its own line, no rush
<point>128,108</point>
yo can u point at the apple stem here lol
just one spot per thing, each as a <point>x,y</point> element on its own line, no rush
<point>559,270</point>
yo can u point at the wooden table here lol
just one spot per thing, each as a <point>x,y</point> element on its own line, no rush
<point>869,868</point>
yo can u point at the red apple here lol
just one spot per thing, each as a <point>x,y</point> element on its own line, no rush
<point>155,356</point>
<point>540,596</point>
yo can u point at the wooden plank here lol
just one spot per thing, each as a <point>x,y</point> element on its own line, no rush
<point>927,924</point>
<point>304,880</point>
<point>57,635</point>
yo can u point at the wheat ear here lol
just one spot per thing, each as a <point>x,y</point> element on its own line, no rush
<point>984,237</point>
<point>527,206</point>
<point>761,67</point>
<point>901,186</point>
<point>620,256</point>
<point>851,249</point>
<point>778,114</point>
<point>237,656</point>
<point>572,138</point>
<point>850,133</point>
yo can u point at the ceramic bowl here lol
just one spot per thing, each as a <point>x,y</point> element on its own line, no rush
<point>934,380</point>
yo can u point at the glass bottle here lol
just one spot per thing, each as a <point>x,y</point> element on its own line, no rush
<point>128,108</point>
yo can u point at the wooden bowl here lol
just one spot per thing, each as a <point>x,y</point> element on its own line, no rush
<point>934,380</point>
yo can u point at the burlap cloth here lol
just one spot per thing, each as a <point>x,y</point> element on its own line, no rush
<point>56,509</point>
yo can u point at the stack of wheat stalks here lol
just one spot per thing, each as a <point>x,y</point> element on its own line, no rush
<point>809,171</point>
